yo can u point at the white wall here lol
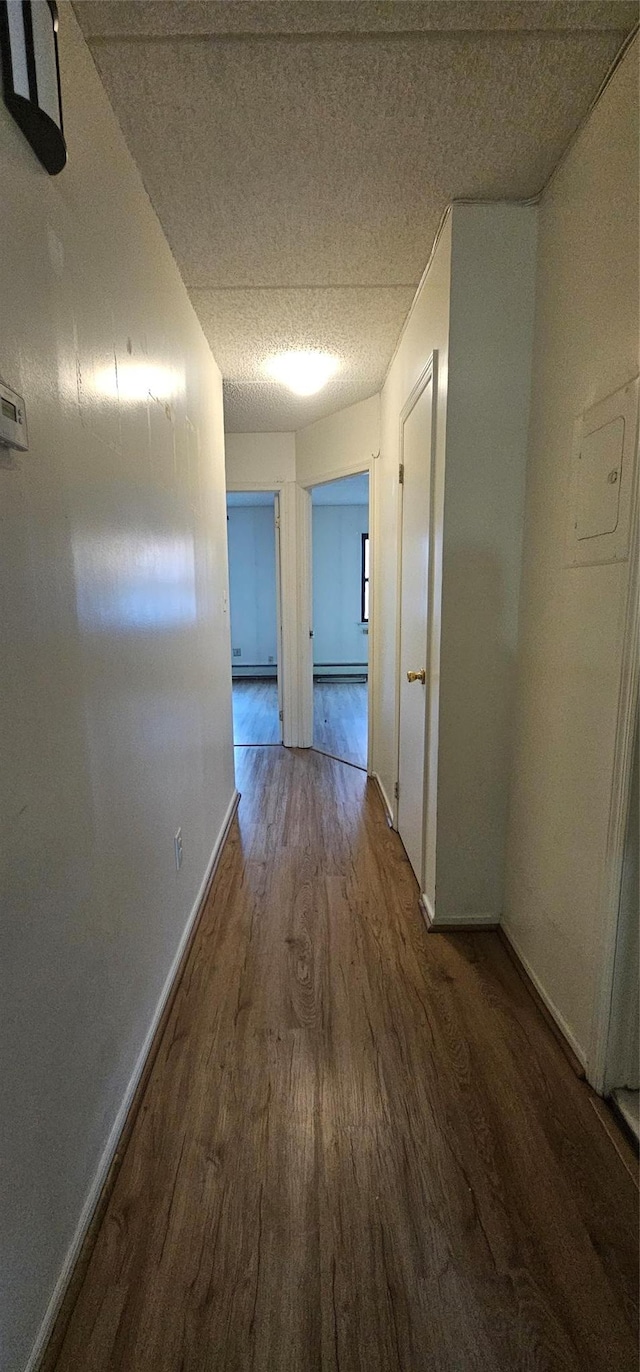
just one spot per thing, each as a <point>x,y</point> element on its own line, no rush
<point>252,585</point>
<point>260,460</point>
<point>427,330</point>
<point>296,669</point>
<point>116,706</point>
<point>341,443</point>
<point>339,634</point>
<point>569,661</point>
<point>489,381</point>
<point>475,310</point>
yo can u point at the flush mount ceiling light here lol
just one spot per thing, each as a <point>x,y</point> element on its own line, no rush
<point>304,372</point>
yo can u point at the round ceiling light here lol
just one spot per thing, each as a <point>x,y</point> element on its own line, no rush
<point>304,372</point>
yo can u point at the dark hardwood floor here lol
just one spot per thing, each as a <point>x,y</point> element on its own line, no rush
<point>360,1149</point>
<point>340,720</point>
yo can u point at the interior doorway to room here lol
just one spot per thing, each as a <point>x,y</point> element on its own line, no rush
<point>340,570</point>
<point>254,598</point>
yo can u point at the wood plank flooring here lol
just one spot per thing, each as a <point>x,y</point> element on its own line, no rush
<point>255,712</point>
<point>340,720</point>
<point>339,717</point>
<point>360,1148</point>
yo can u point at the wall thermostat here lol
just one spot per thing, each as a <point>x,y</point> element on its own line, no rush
<point>13,420</point>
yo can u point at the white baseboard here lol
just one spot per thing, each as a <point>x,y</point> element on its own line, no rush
<point>384,797</point>
<point>427,910</point>
<point>51,1313</point>
<point>553,1009</point>
<point>484,920</point>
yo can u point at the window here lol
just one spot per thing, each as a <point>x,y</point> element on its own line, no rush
<point>364,581</point>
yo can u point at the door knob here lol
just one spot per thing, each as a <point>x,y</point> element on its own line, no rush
<point>417,676</point>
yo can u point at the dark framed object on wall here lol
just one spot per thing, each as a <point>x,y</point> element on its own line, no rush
<point>364,581</point>
<point>31,76</point>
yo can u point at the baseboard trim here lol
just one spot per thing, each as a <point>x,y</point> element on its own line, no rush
<point>427,910</point>
<point>384,798</point>
<point>548,1010</point>
<point>460,924</point>
<point>618,1130</point>
<point>50,1337</point>
<point>625,1118</point>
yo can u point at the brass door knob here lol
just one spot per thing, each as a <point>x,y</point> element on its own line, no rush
<point>417,676</point>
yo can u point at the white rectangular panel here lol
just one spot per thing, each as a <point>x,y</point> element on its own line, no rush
<point>599,480</point>
<point>603,479</point>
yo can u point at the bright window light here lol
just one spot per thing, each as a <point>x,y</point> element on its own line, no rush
<point>303,372</point>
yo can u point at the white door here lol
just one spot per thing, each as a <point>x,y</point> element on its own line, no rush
<point>416,457</point>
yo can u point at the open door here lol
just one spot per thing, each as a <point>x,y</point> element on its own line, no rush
<point>340,610</point>
<point>415,578</point>
<point>256,617</point>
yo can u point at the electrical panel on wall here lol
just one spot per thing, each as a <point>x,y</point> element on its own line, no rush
<point>603,479</point>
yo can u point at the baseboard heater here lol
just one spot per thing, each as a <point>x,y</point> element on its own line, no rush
<point>257,672</point>
<point>326,673</point>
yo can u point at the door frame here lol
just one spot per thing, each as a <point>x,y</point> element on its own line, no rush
<point>428,375</point>
<point>356,469</point>
<point>597,1065</point>
<point>274,488</point>
<point>276,503</point>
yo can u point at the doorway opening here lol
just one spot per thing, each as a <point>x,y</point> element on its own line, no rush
<point>254,600</point>
<point>340,570</point>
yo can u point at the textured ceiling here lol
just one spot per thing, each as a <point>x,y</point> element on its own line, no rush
<point>300,156</point>
<point>359,325</point>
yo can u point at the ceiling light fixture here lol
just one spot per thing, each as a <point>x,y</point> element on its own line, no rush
<point>303,372</point>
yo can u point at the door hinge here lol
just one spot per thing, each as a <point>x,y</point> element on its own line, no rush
<point>396,790</point>
<point>401,473</point>
<point>280,716</point>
